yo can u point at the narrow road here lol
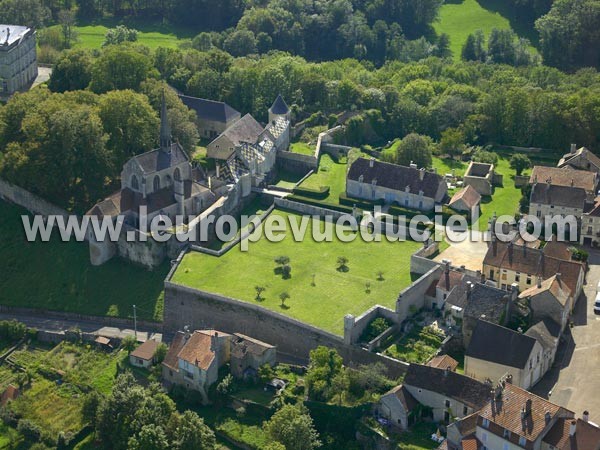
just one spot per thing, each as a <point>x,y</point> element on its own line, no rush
<point>42,322</point>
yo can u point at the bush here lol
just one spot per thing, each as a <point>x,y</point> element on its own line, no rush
<point>374,329</point>
<point>360,203</point>
<point>12,330</point>
<point>30,430</point>
<point>320,193</point>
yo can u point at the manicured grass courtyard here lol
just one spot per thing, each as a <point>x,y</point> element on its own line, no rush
<point>331,173</point>
<point>58,276</point>
<point>302,147</point>
<point>335,294</point>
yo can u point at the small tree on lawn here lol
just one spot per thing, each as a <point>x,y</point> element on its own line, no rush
<point>380,276</point>
<point>342,263</point>
<point>283,297</point>
<point>129,343</point>
<point>368,287</point>
<point>259,290</point>
<point>519,162</point>
<point>283,263</point>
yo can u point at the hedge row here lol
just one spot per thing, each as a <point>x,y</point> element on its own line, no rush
<point>318,203</point>
<point>360,203</point>
<point>320,193</point>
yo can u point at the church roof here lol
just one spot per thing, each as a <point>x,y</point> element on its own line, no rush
<point>157,160</point>
<point>279,106</point>
<point>210,109</point>
<point>247,129</point>
<point>11,34</point>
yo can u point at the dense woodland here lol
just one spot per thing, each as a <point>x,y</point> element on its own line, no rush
<point>372,30</point>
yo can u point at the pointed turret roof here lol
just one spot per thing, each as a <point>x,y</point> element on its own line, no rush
<point>279,106</point>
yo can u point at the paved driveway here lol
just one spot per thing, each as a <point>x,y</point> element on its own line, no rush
<point>574,382</point>
<point>469,253</point>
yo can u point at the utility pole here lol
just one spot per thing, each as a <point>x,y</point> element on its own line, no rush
<point>135,322</point>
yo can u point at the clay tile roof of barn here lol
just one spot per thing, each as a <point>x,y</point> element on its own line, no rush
<point>500,345</point>
<point>566,177</point>
<point>146,351</point>
<point>468,195</point>
<point>554,285</point>
<point>443,362</point>
<point>243,344</point>
<point>583,152</point>
<point>405,397</point>
<point>197,350</point>
<point>176,345</point>
<point>451,384</point>
<point>396,177</point>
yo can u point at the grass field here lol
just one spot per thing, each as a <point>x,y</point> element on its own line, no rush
<point>58,276</point>
<point>302,147</point>
<point>335,293</point>
<point>459,19</point>
<point>331,173</point>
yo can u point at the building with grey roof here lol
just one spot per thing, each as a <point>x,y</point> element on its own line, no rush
<point>212,117</point>
<point>18,58</point>
<point>410,187</point>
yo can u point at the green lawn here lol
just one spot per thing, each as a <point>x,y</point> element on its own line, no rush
<point>335,293</point>
<point>302,147</point>
<point>331,173</point>
<point>58,276</point>
<point>459,19</point>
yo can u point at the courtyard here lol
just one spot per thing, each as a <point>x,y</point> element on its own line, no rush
<point>319,292</point>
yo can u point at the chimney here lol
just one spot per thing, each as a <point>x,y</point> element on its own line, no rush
<point>413,165</point>
<point>539,281</point>
<point>446,371</point>
<point>510,252</point>
<point>547,417</point>
<point>7,34</point>
<point>586,416</point>
<point>509,378</point>
<point>558,275</point>
<point>572,182</point>
<point>494,244</point>
<point>186,333</point>
<point>372,162</point>
<point>573,148</point>
<point>421,173</point>
<point>214,342</point>
<point>572,428</point>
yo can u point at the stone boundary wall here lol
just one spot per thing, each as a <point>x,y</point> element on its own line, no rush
<point>521,180</point>
<point>354,326</point>
<point>296,162</point>
<point>243,235</point>
<point>376,342</point>
<point>414,295</point>
<point>31,202</point>
<point>199,309</point>
<point>420,262</point>
<point>303,208</point>
<point>335,150</point>
<point>60,315</point>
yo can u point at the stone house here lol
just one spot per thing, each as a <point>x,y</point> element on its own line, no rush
<point>396,407</point>
<point>212,117</point>
<point>248,355</point>
<point>465,200</point>
<point>581,159</point>
<point>482,177</point>
<point>18,58</point>
<point>194,359</point>
<point>508,263</point>
<point>447,393</point>
<point>548,200</point>
<point>143,356</point>
<point>409,187</point>
<point>484,301</point>
<point>566,177</point>
<point>495,352</point>
<point>549,299</point>
<point>515,419</point>
<point>590,225</point>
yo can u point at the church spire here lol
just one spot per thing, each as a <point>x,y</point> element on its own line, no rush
<point>165,129</point>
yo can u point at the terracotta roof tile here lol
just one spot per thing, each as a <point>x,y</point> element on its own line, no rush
<point>587,436</point>
<point>443,362</point>
<point>146,351</point>
<point>566,177</point>
<point>468,195</point>
<point>197,350</point>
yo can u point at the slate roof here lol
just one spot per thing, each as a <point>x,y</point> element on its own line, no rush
<point>551,194</point>
<point>505,414</point>
<point>145,351</point>
<point>464,389</point>
<point>587,436</point>
<point>567,177</point>
<point>486,301</point>
<point>546,332</point>
<point>393,176</point>
<point>500,345</point>
<point>157,160</point>
<point>279,106</point>
<point>247,129</point>
<point>210,109</point>
<point>468,195</point>
<point>458,295</point>
<point>532,261</point>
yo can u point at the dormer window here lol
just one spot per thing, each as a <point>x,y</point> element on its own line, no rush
<point>486,423</point>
